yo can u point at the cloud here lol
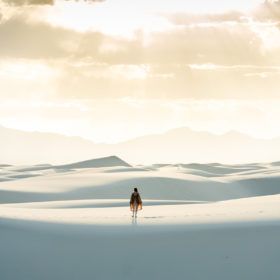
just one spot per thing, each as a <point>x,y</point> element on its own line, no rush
<point>266,11</point>
<point>202,44</point>
<point>39,2</point>
<point>26,79</point>
<point>195,58</point>
<point>192,19</point>
<point>269,10</point>
<point>208,44</point>
<point>224,38</point>
<point>148,81</point>
<point>23,39</point>
<point>29,2</point>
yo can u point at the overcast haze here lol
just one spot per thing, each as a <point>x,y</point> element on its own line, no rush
<point>117,69</point>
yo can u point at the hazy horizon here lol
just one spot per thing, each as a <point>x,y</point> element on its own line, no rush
<point>181,145</point>
<point>224,133</point>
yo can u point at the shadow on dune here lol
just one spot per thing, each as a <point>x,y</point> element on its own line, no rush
<point>14,177</point>
<point>130,169</point>
<point>218,170</point>
<point>276,163</point>
<point>151,188</point>
<point>158,188</point>
<point>260,186</point>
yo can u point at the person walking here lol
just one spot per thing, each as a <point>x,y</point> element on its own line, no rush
<point>135,203</point>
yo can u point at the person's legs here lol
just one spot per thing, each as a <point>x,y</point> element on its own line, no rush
<point>134,210</point>
<point>134,215</point>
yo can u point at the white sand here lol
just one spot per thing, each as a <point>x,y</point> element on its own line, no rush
<point>198,222</point>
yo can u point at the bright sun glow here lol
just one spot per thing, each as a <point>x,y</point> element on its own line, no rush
<point>124,17</point>
<point>116,18</point>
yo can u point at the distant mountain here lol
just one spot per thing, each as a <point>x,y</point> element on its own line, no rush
<point>183,145</point>
<point>180,145</point>
<point>21,147</point>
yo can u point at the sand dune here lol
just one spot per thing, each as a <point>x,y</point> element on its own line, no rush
<point>199,221</point>
<point>101,162</point>
<point>199,182</point>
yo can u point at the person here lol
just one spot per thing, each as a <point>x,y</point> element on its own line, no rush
<point>135,203</point>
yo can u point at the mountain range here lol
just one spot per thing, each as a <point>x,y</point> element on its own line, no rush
<point>181,145</point>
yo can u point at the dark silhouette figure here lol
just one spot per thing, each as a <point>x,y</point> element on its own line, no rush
<point>135,203</point>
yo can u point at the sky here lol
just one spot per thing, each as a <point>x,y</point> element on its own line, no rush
<point>113,70</point>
